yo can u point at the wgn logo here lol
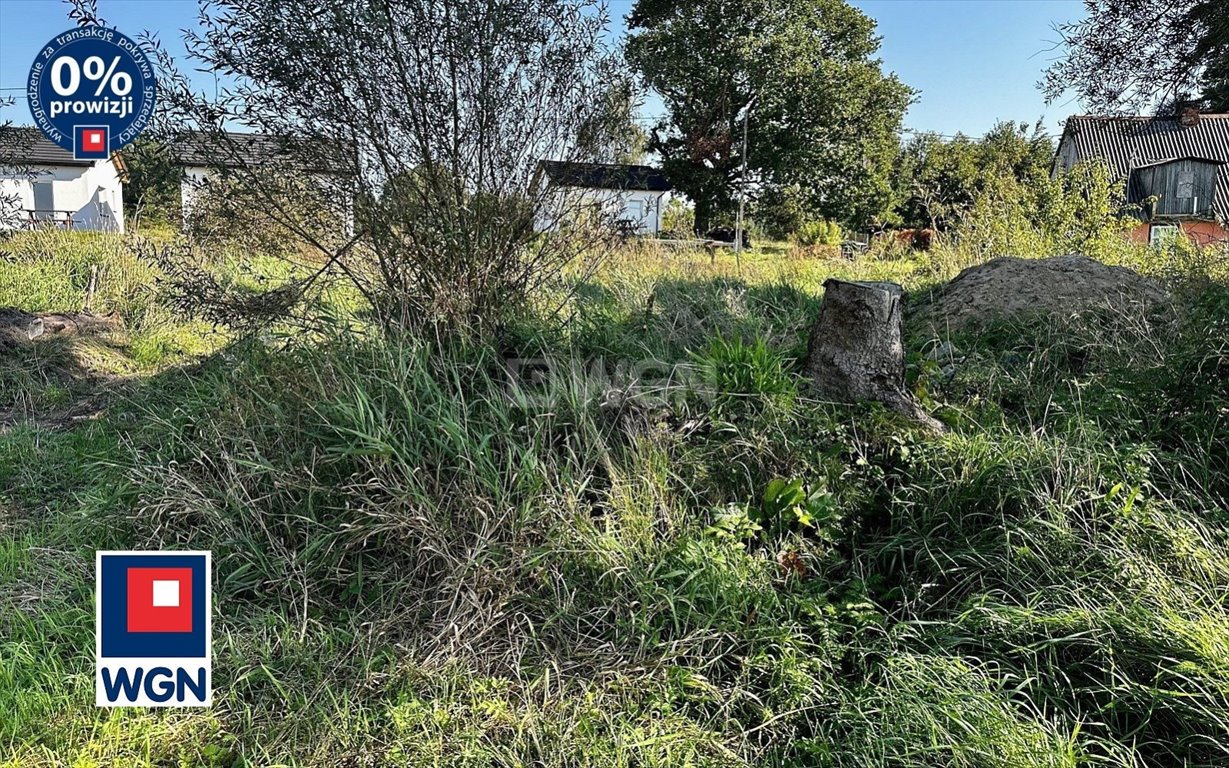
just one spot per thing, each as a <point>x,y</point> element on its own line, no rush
<point>152,626</point>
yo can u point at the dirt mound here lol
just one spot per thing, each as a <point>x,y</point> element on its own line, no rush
<point>1011,287</point>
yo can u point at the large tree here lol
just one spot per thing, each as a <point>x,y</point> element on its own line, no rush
<point>1136,56</point>
<point>823,115</point>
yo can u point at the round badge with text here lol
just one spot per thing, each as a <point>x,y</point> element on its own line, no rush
<point>91,91</point>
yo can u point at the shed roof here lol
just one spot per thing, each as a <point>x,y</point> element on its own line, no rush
<point>1128,143</point>
<point>605,176</point>
<point>232,149</point>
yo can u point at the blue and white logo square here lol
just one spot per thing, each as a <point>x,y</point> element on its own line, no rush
<point>152,629</point>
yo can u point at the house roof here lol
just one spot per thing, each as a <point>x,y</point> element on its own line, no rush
<point>28,146</point>
<point>233,150</point>
<point>1127,143</point>
<point>605,176</point>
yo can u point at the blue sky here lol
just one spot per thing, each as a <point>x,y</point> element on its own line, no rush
<point>974,61</point>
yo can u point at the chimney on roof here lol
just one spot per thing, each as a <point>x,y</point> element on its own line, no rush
<point>1189,117</point>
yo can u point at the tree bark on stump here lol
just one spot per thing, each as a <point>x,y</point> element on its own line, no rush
<point>856,352</point>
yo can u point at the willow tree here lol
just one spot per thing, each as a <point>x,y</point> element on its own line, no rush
<point>427,117</point>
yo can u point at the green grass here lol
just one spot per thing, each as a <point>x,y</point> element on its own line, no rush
<point>417,565</point>
<point>57,271</point>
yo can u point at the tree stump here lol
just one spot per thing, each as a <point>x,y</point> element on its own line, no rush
<point>855,351</point>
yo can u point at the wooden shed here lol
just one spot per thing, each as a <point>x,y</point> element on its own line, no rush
<point>1175,169</point>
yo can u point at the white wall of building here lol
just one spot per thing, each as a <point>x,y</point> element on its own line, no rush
<point>642,208</point>
<point>93,195</point>
<point>645,209</point>
<point>196,179</point>
<point>191,186</point>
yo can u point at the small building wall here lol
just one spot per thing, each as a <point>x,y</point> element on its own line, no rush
<point>1066,157</point>
<point>190,187</point>
<point>643,208</point>
<point>92,194</point>
<point>195,179</point>
<point>1183,187</point>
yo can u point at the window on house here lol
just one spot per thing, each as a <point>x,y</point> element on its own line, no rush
<point>1158,234</point>
<point>634,210</point>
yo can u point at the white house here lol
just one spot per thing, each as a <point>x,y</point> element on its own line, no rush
<point>202,158</point>
<point>43,185</point>
<point>632,196</point>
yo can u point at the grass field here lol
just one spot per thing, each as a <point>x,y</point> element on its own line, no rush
<point>419,564</point>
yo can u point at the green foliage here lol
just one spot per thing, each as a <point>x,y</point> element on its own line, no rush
<point>780,211</point>
<point>679,219</point>
<point>612,134</point>
<point>1121,57</point>
<point>1080,211</point>
<point>749,372</point>
<point>788,507</point>
<point>1179,260</point>
<point>51,270</point>
<point>152,189</point>
<point>1084,211</point>
<point>823,115</point>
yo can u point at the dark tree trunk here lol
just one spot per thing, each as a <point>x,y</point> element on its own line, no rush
<point>704,215</point>
<point>856,351</point>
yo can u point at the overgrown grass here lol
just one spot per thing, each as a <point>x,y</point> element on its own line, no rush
<point>423,560</point>
<point>57,271</point>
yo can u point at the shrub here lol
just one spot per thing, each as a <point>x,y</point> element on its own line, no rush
<point>816,239</point>
<point>750,372</point>
<point>817,232</point>
<point>1081,211</point>
<point>445,218</point>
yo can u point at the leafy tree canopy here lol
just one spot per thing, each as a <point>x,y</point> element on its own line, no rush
<point>823,118</point>
<point>1127,57</point>
<point>937,180</point>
